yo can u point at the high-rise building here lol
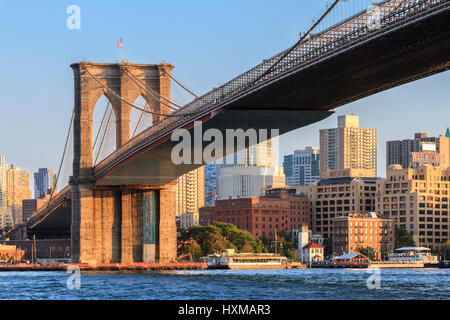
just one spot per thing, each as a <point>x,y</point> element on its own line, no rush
<point>418,199</point>
<point>360,231</point>
<point>210,183</point>
<point>259,155</point>
<point>190,193</point>
<point>247,182</point>
<point>18,189</point>
<point>44,180</point>
<point>410,153</point>
<point>348,146</point>
<point>338,193</point>
<point>6,217</point>
<point>249,172</point>
<point>3,181</point>
<point>302,167</point>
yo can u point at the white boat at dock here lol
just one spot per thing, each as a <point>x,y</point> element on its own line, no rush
<point>243,261</point>
<point>413,255</point>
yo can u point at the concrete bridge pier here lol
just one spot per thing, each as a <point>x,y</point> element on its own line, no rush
<point>123,225</point>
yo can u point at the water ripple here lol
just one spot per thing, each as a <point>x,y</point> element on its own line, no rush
<point>231,284</point>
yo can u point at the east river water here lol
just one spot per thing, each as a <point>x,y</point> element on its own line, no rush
<point>232,284</point>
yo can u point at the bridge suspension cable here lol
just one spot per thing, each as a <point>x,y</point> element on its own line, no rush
<point>139,121</point>
<point>62,158</point>
<point>104,135</point>
<point>101,125</point>
<point>179,83</point>
<point>150,91</point>
<point>303,37</point>
<point>136,107</point>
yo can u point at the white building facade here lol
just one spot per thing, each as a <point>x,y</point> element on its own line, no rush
<point>249,172</point>
<point>247,182</point>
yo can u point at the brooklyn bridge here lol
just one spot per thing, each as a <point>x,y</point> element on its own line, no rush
<point>122,209</point>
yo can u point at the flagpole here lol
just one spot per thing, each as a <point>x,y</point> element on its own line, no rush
<point>121,49</point>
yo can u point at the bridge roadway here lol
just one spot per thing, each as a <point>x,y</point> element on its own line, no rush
<point>342,64</point>
<point>345,68</point>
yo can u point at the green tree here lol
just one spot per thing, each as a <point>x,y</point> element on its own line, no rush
<point>193,248</point>
<point>287,247</point>
<point>328,246</point>
<point>368,252</point>
<point>247,247</point>
<point>233,234</point>
<point>445,250</point>
<point>292,254</point>
<point>216,243</point>
<point>215,238</point>
<point>258,246</point>
<point>403,238</point>
<point>267,243</point>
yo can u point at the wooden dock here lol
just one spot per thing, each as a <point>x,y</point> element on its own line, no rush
<point>296,265</point>
<point>113,267</point>
<point>339,265</point>
<point>381,265</point>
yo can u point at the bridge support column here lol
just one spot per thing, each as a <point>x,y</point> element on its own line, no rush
<point>82,228</point>
<point>131,226</point>
<point>123,226</point>
<point>167,249</point>
<point>149,231</point>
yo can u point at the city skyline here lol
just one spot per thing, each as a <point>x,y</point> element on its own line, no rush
<point>225,150</point>
<point>5,165</point>
<point>236,53</point>
<point>284,150</point>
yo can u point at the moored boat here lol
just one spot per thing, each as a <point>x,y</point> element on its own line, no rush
<point>243,261</point>
<point>419,255</point>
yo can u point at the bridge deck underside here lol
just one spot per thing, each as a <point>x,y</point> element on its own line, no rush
<point>155,166</point>
<point>56,224</point>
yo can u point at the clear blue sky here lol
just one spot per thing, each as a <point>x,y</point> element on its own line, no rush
<point>209,42</point>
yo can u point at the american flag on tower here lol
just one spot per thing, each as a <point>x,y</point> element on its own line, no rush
<point>120,44</point>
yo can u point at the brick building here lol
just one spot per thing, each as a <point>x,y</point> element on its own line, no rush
<point>206,216</point>
<point>11,252</point>
<point>358,230</point>
<point>29,206</point>
<point>43,249</point>
<point>279,210</point>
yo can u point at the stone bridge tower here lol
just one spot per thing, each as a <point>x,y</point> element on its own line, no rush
<point>120,223</point>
